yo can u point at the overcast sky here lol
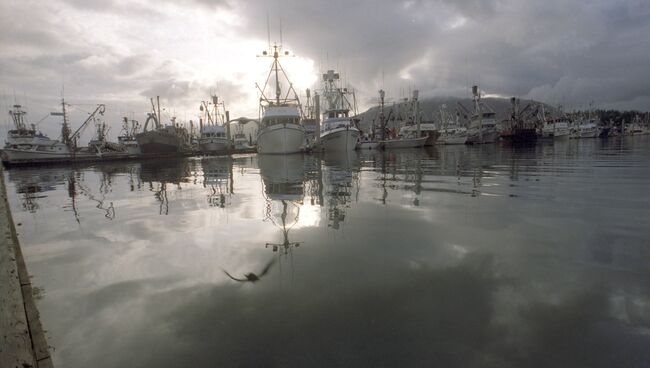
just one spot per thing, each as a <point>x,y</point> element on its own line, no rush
<point>121,53</point>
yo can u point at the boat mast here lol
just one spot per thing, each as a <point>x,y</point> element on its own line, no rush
<point>277,77</point>
<point>477,107</point>
<point>416,107</point>
<point>382,122</point>
<point>158,121</point>
<point>17,116</point>
<point>65,129</point>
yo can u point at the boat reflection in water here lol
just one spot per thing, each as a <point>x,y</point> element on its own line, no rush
<point>217,176</point>
<point>31,185</point>
<point>340,179</point>
<point>158,174</point>
<point>284,191</point>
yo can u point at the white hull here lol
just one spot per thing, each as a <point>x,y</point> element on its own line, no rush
<point>213,144</point>
<point>27,156</point>
<point>452,139</point>
<point>23,155</point>
<point>589,133</point>
<point>557,134</point>
<point>404,143</point>
<point>281,138</point>
<point>487,136</point>
<point>342,139</point>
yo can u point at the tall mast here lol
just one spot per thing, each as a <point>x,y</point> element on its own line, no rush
<point>277,78</point>
<point>158,121</point>
<point>65,129</point>
<point>382,123</point>
<point>477,107</point>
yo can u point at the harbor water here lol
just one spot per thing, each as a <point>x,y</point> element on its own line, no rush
<point>451,256</point>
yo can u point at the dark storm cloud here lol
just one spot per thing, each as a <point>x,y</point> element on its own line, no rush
<point>557,51</point>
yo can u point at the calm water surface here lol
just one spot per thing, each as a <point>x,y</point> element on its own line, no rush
<point>448,256</point>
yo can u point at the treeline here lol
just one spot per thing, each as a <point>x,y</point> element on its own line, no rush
<point>619,116</point>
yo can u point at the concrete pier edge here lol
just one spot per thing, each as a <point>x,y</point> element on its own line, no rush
<point>22,338</point>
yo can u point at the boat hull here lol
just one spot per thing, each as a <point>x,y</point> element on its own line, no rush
<point>452,139</point>
<point>213,144</point>
<point>487,136</point>
<point>280,139</point>
<point>404,143</point>
<point>158,142</point>
<point>522,136</point>
<point>563,133</point>
<point>343,139</point>
<point>18,157</point>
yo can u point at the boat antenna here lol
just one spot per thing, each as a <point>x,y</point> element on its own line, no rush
<point>280,28</point>
<point>158,120</point>
<point>268,29</point>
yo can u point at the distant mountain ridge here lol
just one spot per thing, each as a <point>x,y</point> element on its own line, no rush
<point>430,108</point>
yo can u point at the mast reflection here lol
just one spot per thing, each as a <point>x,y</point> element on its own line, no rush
<point>284,190</point>
<point>158,174</point>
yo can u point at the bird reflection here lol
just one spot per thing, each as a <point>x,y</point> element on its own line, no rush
<point>251,277</point>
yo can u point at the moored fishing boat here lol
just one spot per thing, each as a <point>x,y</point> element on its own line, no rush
<point>162,138</point>
<point>280,129</point>
<point>214,136</point>
<point>522,126</point>
<point>552,128</point>
<point>410,139</point>
<point>338,131</point>
<point>127,138</point>
<point>451,131</point>
<point>24,145</point>
<point>483,125</point>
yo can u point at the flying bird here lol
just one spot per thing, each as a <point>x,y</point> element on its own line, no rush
<point>251,277</point>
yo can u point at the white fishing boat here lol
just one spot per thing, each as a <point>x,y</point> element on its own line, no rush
<point>451,131</point>
<point>338,130</point>
<point>552,127</point>
<point>587,126</point>
<point>25,145</point>
<point>214,136</point>
<point>428,130</point>
<point>483,124</point>
<point>127,137</point>
<point>586,129</point>
<point>555,129</point>
<point>280,129</point>
<point>408,139</point>
<point>637,127</point>
<point>453,135</point>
